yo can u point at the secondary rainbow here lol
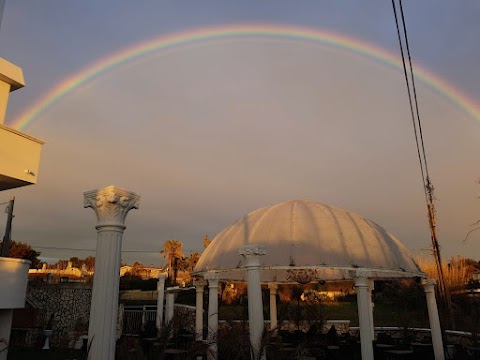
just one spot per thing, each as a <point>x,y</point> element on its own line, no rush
<point>242,31</point>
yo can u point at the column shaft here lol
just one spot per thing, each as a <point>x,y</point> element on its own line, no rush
<point>160,300</point>
<point>169,306</point>
<point>273,306</point>
<point>371,306</point>
<point>212,316</point>
<point>366,344</point>
<point>252,254</point>
<point>199,287</point>
<point>429,286</point>
<point>104,308</point>
<point>255,310</point>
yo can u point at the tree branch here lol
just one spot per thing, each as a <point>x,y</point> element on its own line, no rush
<point>466,237</point>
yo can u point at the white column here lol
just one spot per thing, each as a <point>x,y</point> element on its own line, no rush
<point>429,287</point>
<point>5,329</point>
<point>361,284</point>
<point>111,205</point>
<point>199,288</point>
<point>212,315</point>
<point>169,305</point>
<point>273,306</point>
<point>144,316</point>
<point>160,299</point>
<point>256,326</point>
<point>371,305</point>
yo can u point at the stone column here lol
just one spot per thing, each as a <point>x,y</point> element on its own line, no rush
<point>160,299</point>
<point>256,326</point>
<point>429,287</point>
<point>199,287</point>
<point>212,315</point>
<point>169,305</point>
<point>371,305</point>
<point>361,284</point>
<point>144,316</point>
<point>111,205</point>
<point>273,306</point>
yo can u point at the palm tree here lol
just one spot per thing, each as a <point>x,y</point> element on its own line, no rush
<point>172,250</point>
<point>90,263</point>
<point>206,241</point>
<point>192,260</point>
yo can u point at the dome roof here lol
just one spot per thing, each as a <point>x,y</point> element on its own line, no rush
<point>330,242</point>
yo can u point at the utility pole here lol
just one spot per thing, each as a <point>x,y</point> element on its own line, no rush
<point>442,287</point>
<point>8,229</point>
<point>2,6</point>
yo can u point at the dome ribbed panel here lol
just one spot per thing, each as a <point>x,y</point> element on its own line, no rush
<point>299,234</point>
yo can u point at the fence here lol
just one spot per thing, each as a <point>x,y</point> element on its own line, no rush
<point>136,317</point>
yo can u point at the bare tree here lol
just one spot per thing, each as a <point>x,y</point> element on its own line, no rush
<point>476,223</point>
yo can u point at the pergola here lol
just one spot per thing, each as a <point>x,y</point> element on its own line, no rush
<point>279,243</point>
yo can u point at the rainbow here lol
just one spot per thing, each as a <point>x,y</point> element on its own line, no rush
<point>242,31</point>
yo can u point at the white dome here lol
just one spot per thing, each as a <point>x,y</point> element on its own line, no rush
<point>332,242</point>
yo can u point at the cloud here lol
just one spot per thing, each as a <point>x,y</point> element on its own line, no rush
<point>207,133</point>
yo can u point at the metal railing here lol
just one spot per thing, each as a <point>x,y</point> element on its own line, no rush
<point>136,317</point>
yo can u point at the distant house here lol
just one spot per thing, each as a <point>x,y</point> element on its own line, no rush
<point>145,272</point>
<point>70,274</point>
<point>74,274</point>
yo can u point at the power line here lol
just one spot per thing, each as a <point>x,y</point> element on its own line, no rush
<point>93,250</point>
<point>427,185</point>
<point>414,91</point>
<point>2,6</point>
<point>410,100</point>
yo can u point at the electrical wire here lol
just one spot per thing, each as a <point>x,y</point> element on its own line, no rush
<point>410,99</point>
<point>427,185</point>
<point>83,249</point>
<point>414,88</point>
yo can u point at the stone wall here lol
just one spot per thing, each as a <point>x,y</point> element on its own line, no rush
<point>187,314</point>
<point>67,305</point>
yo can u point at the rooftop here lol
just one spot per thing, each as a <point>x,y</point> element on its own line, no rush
<point>330,242</point>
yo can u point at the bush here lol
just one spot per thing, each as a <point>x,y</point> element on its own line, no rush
<point>130,282</point>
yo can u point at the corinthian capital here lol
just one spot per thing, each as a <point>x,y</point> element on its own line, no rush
<point>429,285</point>
<point>111,204</point>
<point>252,254</point>
<point>212,279</point>
<point>252,250</point>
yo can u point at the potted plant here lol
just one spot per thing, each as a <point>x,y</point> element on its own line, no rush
<point>48,331</point>
<point>81,331</point>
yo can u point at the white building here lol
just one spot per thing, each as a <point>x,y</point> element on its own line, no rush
<point>20,158</point>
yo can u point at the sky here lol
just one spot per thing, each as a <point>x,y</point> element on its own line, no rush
<point>211,130</point>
